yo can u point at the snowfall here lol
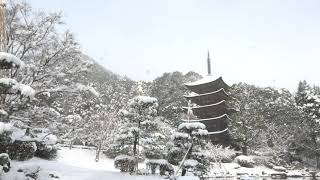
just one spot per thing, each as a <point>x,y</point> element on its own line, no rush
<point>80,164</point>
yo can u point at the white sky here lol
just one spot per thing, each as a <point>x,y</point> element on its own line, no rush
<point>261,42</point>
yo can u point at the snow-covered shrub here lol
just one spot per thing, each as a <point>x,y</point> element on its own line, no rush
<point>163,165</point>
<point>4,162</point>
<point>245,161</point>
<point>203,166</point>
<point>194,167</point>
<point>30,171</point>
<point>115,150</point>
<point>5,140</point>
<point>22,150</point>
<point>46,141</point>
<point>126,163</point>
<point>218,153</point>
<point>46,151</point>
<point>279,168</point>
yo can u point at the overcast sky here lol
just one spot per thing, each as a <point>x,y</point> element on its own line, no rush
<point>262,42</point>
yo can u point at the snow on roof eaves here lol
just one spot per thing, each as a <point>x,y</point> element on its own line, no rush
<point>9,58</point>
<point>205,105</point>
<point>197,95</point>
<point>205,80</point>
<point>207,119</point>
<point>218,132</point>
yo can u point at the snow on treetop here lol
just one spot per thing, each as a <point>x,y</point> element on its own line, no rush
<point>158,161</point>
<point>200,132</point>
<point>8,81</point>
<point>3,112</point>
<point>5,127</point>
<point>123,157</point>
<point>190,163</point>
<point>4,155</point>
<point>25,90</point>
<point>141,100</point>
<point>179,135</point>
<point>11,59</point>
<point>192,126</point>
<point>82,87</point>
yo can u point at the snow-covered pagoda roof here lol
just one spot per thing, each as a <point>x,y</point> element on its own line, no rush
<point>208,98</point>
<point>208,119</point>
<point>207,84</point>
<point>218,132</point>
<point>8,61</point>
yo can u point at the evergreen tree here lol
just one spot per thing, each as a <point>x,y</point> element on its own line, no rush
<point>186,148</point>
<point>139,124</point>
<point>309,100</point>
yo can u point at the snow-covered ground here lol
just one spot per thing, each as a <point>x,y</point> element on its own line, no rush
<point>79,164</point>
<point>75,164</point>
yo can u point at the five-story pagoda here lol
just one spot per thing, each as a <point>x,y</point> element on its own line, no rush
<point>209,96</point>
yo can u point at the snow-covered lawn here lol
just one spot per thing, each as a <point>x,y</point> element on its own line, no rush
<point>79,164</point>
<point>75,164</point>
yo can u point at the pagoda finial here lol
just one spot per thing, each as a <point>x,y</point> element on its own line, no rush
<point>209,64</point>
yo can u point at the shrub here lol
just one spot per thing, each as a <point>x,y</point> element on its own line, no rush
<point>163,165</point>
<point>116,150</point>
<point>126,163</point>
<point>46,151</point>
<point>22,150</point>
<point>30,171</point>
<point>221,154</point>
<point>5,141</point>
<point>4,162</point>
<point>245,161</point>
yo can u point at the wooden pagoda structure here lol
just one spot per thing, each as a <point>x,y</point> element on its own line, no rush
<point>209,96</point>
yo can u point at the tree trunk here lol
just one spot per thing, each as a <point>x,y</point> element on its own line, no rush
<point>135,143</point>
<point>184,170</point>
<point>98,151</point>
<point>314,139</point>
<point>245,149</point>
<point>70,145</point>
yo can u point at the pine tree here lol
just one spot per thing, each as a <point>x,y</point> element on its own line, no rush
<point>309,100</point>
<point>187,146</point>
<point>139,121</point>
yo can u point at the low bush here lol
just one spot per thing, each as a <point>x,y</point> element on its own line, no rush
<point>126,163</point>
<point>165,168</point>
<point>22,150</point>
<point>46,151</point>
<point>245,161</point>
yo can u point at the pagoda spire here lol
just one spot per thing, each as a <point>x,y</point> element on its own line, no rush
<point>209,64</point>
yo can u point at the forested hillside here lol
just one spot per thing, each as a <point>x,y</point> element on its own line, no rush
<point>52,93</point>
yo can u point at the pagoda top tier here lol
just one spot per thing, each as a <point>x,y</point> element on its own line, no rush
<point>207,84</point>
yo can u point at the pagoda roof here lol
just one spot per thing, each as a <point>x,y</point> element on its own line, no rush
<point>205,94</point>
<point>208,98</point>
<point>207,84</point>
<point>208,119</point>
<point>204,106</point>
<point>211,110</point>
